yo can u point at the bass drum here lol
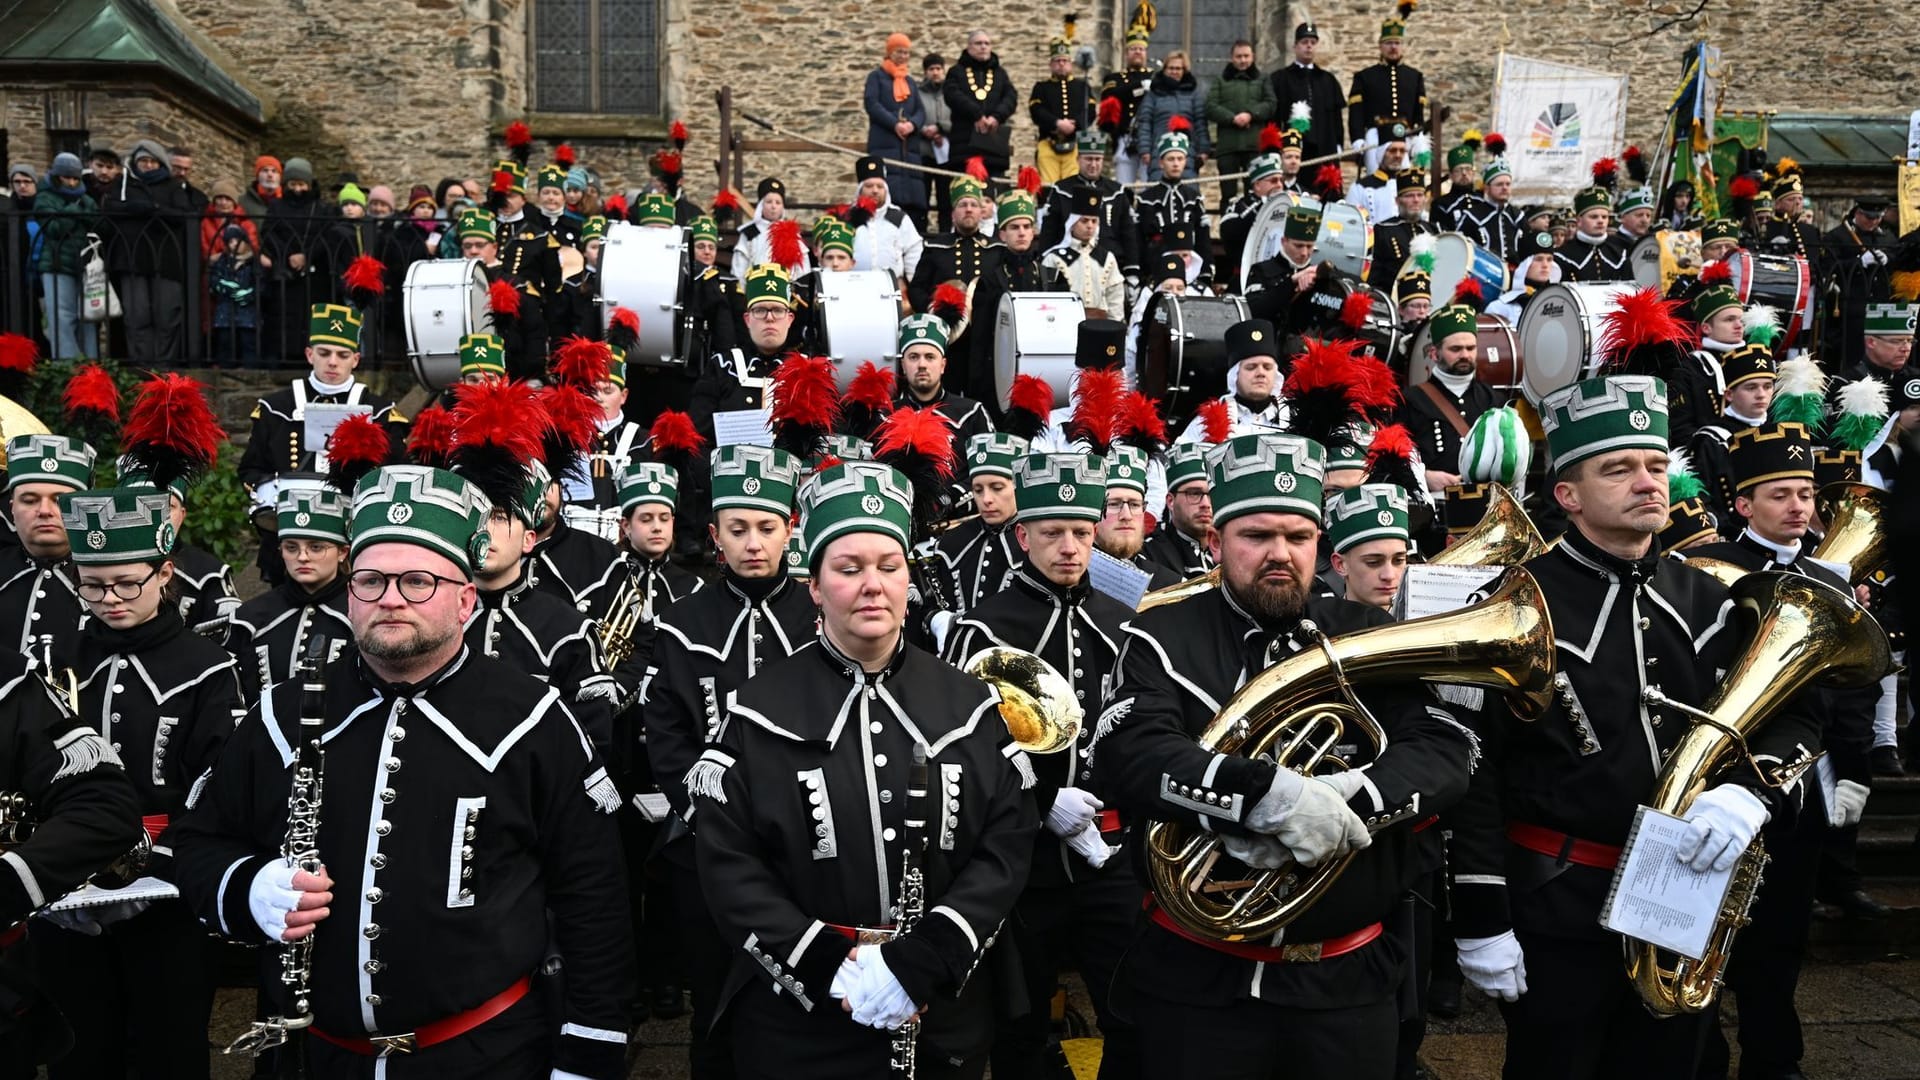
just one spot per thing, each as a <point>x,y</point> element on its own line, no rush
<point>1346,239</point>
<point>444,300</point>
<point>1781,282</point>
<point>1559,330</point>
<point>859,319</point>
<point>1498,365</point>
<point>1381,330</point>
<point>1657,260</point>
<point>1036,334</point>
<point>1185,362</point>
<point>1457,258</point>
<point>643,270</point>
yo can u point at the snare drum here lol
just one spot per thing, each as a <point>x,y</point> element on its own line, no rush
<point>1560,332</point>
<point>444,301</point>
<point>859,319</point>
<point>1346,239</point>
<point>1186,357</point>
<point>1657,260</point>
<point>1036,334</point>
<point>1781,282</point>
<point>1498,365</point>
<point>644,270</point>
<point>1457,258</point>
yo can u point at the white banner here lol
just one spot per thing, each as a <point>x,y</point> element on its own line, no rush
<point>1558,121</point>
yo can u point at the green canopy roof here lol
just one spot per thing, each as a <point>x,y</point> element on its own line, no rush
<point>1838,142</point>
<point>64,38</point>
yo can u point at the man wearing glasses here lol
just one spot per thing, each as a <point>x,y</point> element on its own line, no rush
<point>1179,542</point>
<point>1122,529</point>
<point>737,379</point>
<point>464,834</point>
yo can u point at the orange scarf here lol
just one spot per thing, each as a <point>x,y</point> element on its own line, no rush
<point>902,82</point>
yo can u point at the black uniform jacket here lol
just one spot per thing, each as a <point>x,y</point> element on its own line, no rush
<point>463,816</point>
<point>577,568</point>
<point>37,597</point>
<point>946,258</point>
<point>979,561</point>
<point>1181,554</point>
<point>205,585</point>
<point>1179,664</point>
<point>1077,632</point>
<point>1584,767</point>
<point>278,443</point>
<point>1432,432</point>
<point>803,821</point>
<point>549,640</point>
<point>1386,91</point>
<point>1584,262</point>
<point>268,635</point>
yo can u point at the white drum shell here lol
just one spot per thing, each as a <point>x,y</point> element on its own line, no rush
<point>1036,334</point>
<point>860,320</point>
<point>443,300</point>
<point>644,270</point>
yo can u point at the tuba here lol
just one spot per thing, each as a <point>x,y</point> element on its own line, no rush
<point>1298,710</point>
<point>1505,536</point>
<point>1036,702</point>
<point>1856,519</point>
<point>1804,632</point>
<point>1173,594</point>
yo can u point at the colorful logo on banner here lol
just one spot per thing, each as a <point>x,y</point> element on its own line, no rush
<point>1557,128</point>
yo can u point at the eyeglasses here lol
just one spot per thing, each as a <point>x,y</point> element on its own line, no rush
<point>94,592</point>
<point>416,586</point>
<point>1190,495</point>
<point>1123,507</point>
<point>767,314</point>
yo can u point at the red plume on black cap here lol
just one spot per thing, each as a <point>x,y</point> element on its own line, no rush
<point>171,433</point>
<point>18,355</point>
<point>623,329</point>
<point>1322,390</point>
<point>1096,401</point>
<point>673,440</point>
<point>615,208</point>
<point>564,156</point>
<point>582,362</point>
<point>430,438</point>
<point>1637,164</point>
<point>668,165</point>
<point>1468,292</point>
<point>949,303</point>
<point>503,301</point>
<point>1109,115</point>
<point>977,168</point>
<point>1138,424</point>
<point>572,422</point>
<point>1029,407</point>
<point>1390,461</point>
<point>868,401</point>
<point>1644,335</point>
<point>358,446</point>
<point>806,405</point>
<point>919,444</point>
<point>860,212</point>
<point>1496,143</point>
<point>92,399</point>
<point>1328,184</point>
<point>1606,173</point>
<point>726,205</point>
<point>783,245</point>
<point>1179,123</point>
<point>366,281</point>
<point>1271,141</point>
<point>497,436</point>
<point>677,133</point>
<point>1215,420</point>
<point>519,141</point>
<point>1741,194</point>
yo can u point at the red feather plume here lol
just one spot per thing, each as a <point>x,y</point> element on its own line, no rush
<point>1270,140</point>
<point>783,243</point>
<point>518,135</point>
<point>673,436</point>
<point>916,433</point>
<point>977,168</point>
<point>1605,172</point>
<point>1468,292</point>
<point>615,208</point>
<point>1716,272</point>
<point>726,201</point>
<point>623,328</point>
<point>1096,401</point>
<point>572,421</point>
<point>669,164</point>
<point>859,213</point>
<point>1029,405</point>
<point>1138,424</point>
<point>806,403</point>
<point>18,353</point>
<point>357,447</point>
<point>502,182</point>
<point>1642,318</point>
<point>564,156</point>
<point>171,431</point>
<point>1495,143</point>
<point>1215,420</point>
<point>91,396</point>
<point>1744,187</point>
<point>1028,180</point>
<point>1108,115</point>
<point>504,300</point>
<point>581,361</point>
<point>1390,457</point>
<point>1325,365</point>
<point>366,280</point>
<point>872,387</point>
<point>677,132</point>
<point>1327,182</point>
<point>949,303</point>
<point>1355,309</point>
<point>1179,123</point>
<point>1375,387</point>
<point>1391,441</point>
<point>431,438</point>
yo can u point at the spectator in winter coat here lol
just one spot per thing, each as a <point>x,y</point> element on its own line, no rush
<point>103,172</point>
<point>147,219</point>
<point>934,132</point>
<point>895,115</point>
<point>981,96</point>
<point>294,258</point>
<point>1174,92</point>
<point>224,209</point>
<point>265,189</point>
<point>235,288</point>
<point>1239,104</point>
<point>64,213</point>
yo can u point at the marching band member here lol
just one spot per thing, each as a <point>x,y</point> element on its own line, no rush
<point>979,556</point>
<point>1084,263</point>
<point>1115,213</point>
<point>1538,838</point>
<point>616,441</point>
<point>268,635</point>
<point>707,645</point>
<point>1087,424</point>
<point>1013,265</point>
<point>1488,217</point>
<point>1321,999</point>
<point>1367,529</point>
<point>1252,400</point>
<point>1440,411</point>
<point>1122,529</point>
<point>1590,253</point>
<point>866,894</point>
<point>1179,541</point>
<point>884,237</point>
<point>755,244</point>
<point>1080,902</point>
<point>1748,372</point>
<point>203,585</point>
<point>1393,235</point>
<point>572,564</point>
<point>923,366</point>
<point>1169,205</point>
<point>1274,284</point>
<point>1237,219</point>
<point>957,259</point>
<point>37,581</point>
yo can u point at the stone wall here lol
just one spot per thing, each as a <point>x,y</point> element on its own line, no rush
<point>118,115</point>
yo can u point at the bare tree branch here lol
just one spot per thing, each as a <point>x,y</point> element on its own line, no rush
<point>1672,17</point>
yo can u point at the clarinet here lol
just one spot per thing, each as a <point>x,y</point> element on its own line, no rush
<point>301,849</point>
<point>912,903</point>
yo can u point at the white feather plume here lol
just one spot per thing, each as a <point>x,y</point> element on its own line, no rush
<point>1301,112</point>
<point>1759,315</point>
<point>1678,461</point>
<point>1862,397</point>
<point>1421,245</point>
<point>1797,377</point>
<point>1420,143</point>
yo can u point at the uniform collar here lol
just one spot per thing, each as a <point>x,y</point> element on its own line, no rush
<point>850,668</point>
<point>407,690</point>
<point>1030,579</point>
<point>1781,554</point>
<point>756,590</point>
<point>1605,563</point>
<point>506,597</point>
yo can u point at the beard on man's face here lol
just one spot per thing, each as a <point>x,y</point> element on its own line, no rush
<point>1277,601</point>
<point>422,641</point>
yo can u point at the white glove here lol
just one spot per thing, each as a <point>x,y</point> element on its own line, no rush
<point>1850,798</point>
<point>562,1074</point>
<point>1494,965</point>
<point>271,897</point>
<point>1259,852</point>
<point>1309,817</point>
<point>1867,258</point>
<point>1091,848</point>
<point>879,1001</point>
<point>1073,810</point>
<point>941,623</point>
<point>845,978</point>
<point>1880,257</point>
<point>1720,825</point>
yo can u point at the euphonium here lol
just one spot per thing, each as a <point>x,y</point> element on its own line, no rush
<point>1036,702</point>
<point>1505,536</point>
<point>1804,632</point>
<point>1726,573</point>
<point>1856,520</point>
<point>1298,710</point>
<point>1173,594</point>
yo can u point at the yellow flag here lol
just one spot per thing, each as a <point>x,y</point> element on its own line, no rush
<point>1909,201</point>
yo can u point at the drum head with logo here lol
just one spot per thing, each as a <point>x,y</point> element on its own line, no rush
<point>1558,331</point>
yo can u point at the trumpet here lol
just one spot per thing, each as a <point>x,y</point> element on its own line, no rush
<point>62,681</point>
<point>1036,702</point>
<point>631,607</point>
<point>1173,594</point>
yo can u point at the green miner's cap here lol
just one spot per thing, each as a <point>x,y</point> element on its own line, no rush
<point>134,478</point>
<point>1058,46</point>
<point>1639,198</point>
<point>1262,167</point>
<point>474,224</point>
<point>520,492</point>
<point>516,175</point>
<point>855,497</point>
<point>1712,299</point>
<point>1460,155</point>
<point>993,453</point>
<point>1746,363</point>
<point>965,187</point>
<point>1587,198</point>
<point>1186,462</point>
<point>849,448</point>
<point>595,228</point>
<point>49,459</point>
<point>1494,169</point>
<point>551,176</point>
<point>649,482</point>
<point>1303,223</point>
<point>483,353</point>
<point>1720,229</point>
<point>1267,472</point>
<point>754,478</point>
<point>1071,486</point>
<point>1172,142</point>
<point>655,208</point>
<point>834,236</point>
<point>1763,201</point>
<point>117,525</point>
<point>923,330</point>
<point>334,324</point>
<point>704,228</point>
<point>1347,446</point>
<point>1450,320</point>
<point>1013,206</point>
<point>617,367</point>
<point>1394,29</point>
<point>1091,140</point>
<point>796,556</point>
<point>428,508</point>
<point>769,281</point>
<point>1368,512</point>
<point>1890,320</point>
<point>1599,416</point>
<point>1756,455</point>
<point>1127,468</point>
<point>313,510</point>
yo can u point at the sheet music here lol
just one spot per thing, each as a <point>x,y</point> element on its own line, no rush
<point>318,422</point>
<point>743,427</point>
<point>1123,581</point>
<point>91,895</point>
<point>1436,590</point>
<point>1659,899</point>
